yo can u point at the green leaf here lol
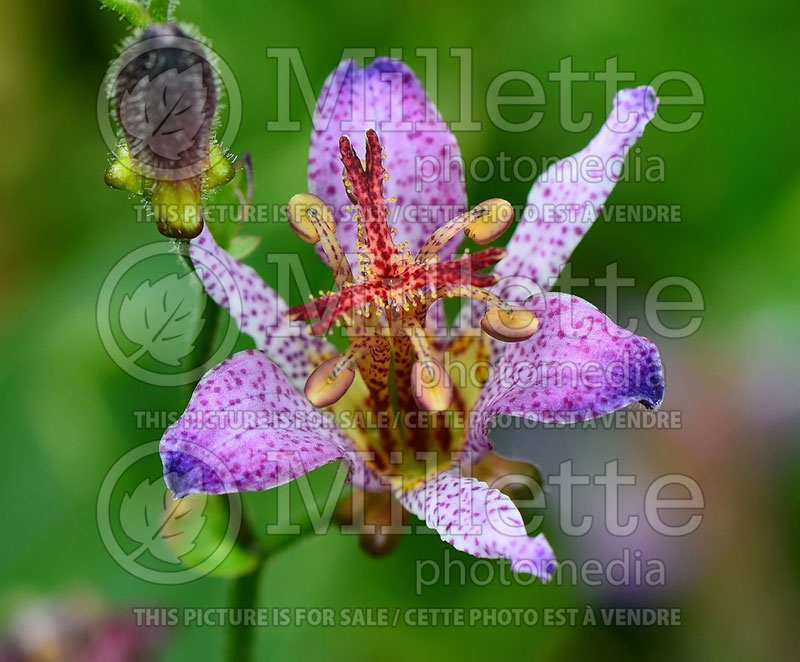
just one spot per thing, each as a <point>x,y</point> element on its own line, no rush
<point>227,205</point>
<point>186,531</point>
<point>159,318</point>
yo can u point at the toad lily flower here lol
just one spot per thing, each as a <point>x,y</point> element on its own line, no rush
<point>546,357</point>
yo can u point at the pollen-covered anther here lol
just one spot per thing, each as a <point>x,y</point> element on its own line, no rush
<point>304,210</point>
<point>489,220</point>
<point>329,382</point>
<point>511,324</point>
<point>431,385</point>
<point>483,223</point>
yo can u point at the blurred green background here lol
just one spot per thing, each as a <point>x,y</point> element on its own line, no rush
<point>67,409</point>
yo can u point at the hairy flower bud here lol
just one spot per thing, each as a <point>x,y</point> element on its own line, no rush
<point>165,98</point>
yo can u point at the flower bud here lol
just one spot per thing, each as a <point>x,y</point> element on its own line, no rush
<point>177,208</point>
<point>165,99</point>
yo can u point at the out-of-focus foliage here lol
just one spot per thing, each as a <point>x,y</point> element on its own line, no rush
<point>68,411</point>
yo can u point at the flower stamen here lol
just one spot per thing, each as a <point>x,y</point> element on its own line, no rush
<point>384,306</point>
<point>332,378</point>
<point>509,323</point>
<point>430,384</point>
<point>312,221</point>
<point>483,223</point>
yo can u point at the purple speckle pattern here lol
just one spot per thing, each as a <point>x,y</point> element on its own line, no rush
<point>577,366</point>
<point>480,521</point>
<point>246,415</point>
<point>258,310</point>
<point>569,195</point>
<point>387,96</point>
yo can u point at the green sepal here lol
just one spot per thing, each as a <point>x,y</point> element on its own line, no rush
<point>177,207</point>
<point>225,210</point>
<point>121,175</point>
<point>221,171</point>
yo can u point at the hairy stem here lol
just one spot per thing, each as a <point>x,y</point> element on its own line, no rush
<point>130,10</point>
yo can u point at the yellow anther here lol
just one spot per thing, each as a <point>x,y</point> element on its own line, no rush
<point>304,210</point>
<point>509,325</point>
<point>489,220</point>
<point>431,385</point>
<point>329,382</point>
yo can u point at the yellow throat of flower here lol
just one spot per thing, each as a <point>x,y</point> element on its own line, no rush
<point>403,397</point>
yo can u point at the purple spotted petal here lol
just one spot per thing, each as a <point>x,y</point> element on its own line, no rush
<point>258,310</point>
<point>569,195</point>
<point>246,428</point>
<point>422,156</point>
<point>577,366</point>
<point>480,521</point>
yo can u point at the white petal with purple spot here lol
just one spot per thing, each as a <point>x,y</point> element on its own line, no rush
<point>247,417</point>
<point>577,366</point>
<point>480,521</point>
<point>258,310</point>
<point>422,155</point>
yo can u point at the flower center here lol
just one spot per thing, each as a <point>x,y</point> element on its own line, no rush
<point>384,306</point>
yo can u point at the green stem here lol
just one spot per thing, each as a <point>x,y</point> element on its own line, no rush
<point>271,544</point>
<point>243,590</point>
<point>243,595</point>
<point>130,10</point>
<point>204,343</point>
<point>161,10</point>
